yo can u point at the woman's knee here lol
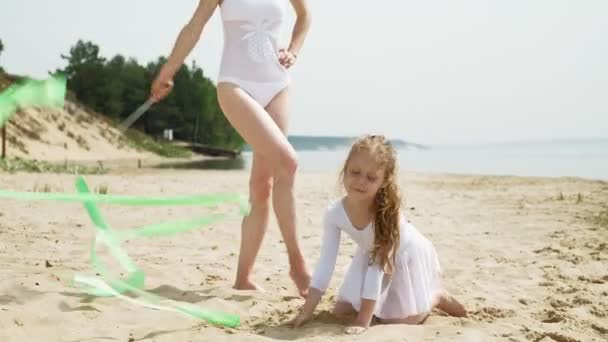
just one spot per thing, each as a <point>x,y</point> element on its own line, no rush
<point>289,164</point>
<point>260,189</point>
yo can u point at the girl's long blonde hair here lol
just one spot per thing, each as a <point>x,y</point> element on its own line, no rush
<point>387,203</point>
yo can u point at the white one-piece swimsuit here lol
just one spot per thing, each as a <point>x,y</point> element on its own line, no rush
<point>252,29</point>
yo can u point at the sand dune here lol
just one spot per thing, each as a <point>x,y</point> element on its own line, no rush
<point>73,133</point>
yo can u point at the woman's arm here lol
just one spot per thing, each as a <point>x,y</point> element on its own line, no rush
<point>185,42</point>
<point>301,26</point>
<point>190,34</point>
<point>300,30</point>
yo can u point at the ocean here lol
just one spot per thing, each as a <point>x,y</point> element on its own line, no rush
<point>585,158</point>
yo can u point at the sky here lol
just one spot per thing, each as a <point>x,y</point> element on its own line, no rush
<point>430,72</point>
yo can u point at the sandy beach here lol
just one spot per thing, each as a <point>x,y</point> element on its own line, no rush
<point>525,255</point>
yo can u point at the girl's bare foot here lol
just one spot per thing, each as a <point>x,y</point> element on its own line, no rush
<point>451,306</point>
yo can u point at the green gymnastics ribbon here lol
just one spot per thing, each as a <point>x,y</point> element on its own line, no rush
<point>106,286</point>
<point>51,93</point>
<point>32,93</point>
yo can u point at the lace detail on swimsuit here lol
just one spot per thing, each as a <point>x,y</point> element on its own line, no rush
<point>259,41</point>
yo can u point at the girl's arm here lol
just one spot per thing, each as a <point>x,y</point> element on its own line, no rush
<point>371,292</point>
<point>312,300</point>
<point>185,42</point>
<point>364,317</point>
<point>323,271</point>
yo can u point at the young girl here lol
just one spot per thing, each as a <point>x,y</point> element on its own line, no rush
<point>395,272</point>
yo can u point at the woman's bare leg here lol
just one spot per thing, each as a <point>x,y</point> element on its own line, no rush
<point>283,200</point>
<point>259,129</point>
<point>254,225</point>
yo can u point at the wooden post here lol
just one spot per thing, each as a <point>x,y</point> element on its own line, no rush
<point>4,142</point>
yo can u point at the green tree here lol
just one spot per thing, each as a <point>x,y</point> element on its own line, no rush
<point>113,87</point>
<point>1,49</point>
<point>118,86</point>
<point>85,74</point>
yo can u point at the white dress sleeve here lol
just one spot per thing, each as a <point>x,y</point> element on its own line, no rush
<point>373,282</point>
<point>329,254</point>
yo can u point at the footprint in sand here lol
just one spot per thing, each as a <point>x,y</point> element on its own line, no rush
<point>547,249</point>
<point>502,260</point>
<point>544,336</point>
<point>600,329</point>
<point>555,337</point>
<point>6,299</point>
<point>593,280</point>
<point>581,301</point>
<point>558,303</point>
<point>18,293</point>
<point>567,290</point>
<point>549,316</point>
<point>573,258</point>
<point>546,283</point>
<point>210,278</point>
<point>599,312</point>
<point>490,314</point>
<point>558,234</point>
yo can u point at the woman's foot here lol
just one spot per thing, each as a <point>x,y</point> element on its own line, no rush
<point>451,306</point>
<point>246,285</point>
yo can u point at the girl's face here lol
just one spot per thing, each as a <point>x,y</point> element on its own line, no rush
<point>363,177</point>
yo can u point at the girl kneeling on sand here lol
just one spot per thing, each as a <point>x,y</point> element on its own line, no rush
<point>395,272</point>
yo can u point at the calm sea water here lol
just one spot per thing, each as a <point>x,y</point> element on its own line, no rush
<point>563,158</point>
<point>576,158</point>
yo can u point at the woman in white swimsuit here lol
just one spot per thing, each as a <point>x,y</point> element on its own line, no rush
<point>253,92</point>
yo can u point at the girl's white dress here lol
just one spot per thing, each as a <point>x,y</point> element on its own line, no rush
<point>409,291</point>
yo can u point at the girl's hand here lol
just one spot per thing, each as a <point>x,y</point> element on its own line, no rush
<point>162,85</point>
<point>301,319</point>
<point>360,323</point>
<point>287,58</point>
<point>354,330</point>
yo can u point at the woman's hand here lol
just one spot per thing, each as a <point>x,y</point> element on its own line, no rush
<point>162,85</point>
<point>287,58</point>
